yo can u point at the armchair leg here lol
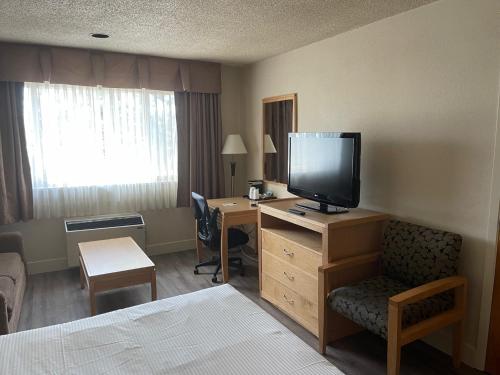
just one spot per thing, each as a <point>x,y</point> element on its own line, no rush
<point>394,340</point>
<point>458,329</point>
<point>323,313</point>
<point>322,343</point>
<point>460,295</point>
<point>393,358</point>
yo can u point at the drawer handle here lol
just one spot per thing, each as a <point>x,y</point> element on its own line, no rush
<point>290,301</point>
<point>288,253</point>
<point>289,277</point>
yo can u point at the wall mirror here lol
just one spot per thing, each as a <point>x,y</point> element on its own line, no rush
<point>279,119</point>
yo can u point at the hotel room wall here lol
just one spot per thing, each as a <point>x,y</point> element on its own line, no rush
<point>168,230</point>
<point>232,124</point>
<point>422,87</point>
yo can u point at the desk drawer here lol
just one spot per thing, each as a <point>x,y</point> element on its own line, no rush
<point>291,253</point>
<point>292,277</point>
<point>294,305</point>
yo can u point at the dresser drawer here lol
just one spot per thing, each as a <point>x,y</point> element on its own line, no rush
<point>292,277</point>
<point>291,252</point>
<point>294,305</point>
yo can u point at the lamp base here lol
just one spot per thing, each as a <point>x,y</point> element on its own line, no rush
<point>233,172</point>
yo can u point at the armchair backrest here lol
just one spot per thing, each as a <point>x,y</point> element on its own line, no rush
<point>207,229</point>
<point>416,255</point>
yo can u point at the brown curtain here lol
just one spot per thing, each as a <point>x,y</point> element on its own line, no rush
<point>77,66</point>
<point>16,195</point>
<point>199,134</point>
<point>278,120</point>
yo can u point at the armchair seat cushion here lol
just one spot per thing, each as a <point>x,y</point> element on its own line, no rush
<point>366,303</point>
<point>11,265</point>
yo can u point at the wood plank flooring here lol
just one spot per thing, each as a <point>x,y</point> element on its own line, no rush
<point>56,297</point>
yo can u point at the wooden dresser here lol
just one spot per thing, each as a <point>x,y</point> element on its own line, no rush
<point>292,248</point>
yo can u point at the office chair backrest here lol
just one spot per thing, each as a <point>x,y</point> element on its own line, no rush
<point>207,221</point>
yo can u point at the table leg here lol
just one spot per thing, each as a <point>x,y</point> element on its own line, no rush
<point>92,298</point>
<point>223,251</point>
<point>153,285</point>
<point>82,276</point>
<point>256,248</point>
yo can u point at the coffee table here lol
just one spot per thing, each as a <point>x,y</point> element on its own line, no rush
<point>114,263</point>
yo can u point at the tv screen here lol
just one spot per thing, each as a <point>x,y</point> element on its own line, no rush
<point>325,167</point>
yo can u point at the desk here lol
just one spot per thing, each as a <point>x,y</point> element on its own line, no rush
<point>239,213</point>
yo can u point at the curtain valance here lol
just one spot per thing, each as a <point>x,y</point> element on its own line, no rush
<point>31,63</point>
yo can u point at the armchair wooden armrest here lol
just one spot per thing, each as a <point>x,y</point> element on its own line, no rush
<point>428,290</point>
<point>397,336</point>
<point>350,262</point>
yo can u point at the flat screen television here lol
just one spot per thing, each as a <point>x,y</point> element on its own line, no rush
<point>325,168</point>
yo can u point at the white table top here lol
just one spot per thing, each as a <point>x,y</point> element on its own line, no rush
<point>113,255</point>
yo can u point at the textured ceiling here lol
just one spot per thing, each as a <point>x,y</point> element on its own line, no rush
<point>229,31</point>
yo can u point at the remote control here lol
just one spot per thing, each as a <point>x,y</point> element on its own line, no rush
<point>296,212</point>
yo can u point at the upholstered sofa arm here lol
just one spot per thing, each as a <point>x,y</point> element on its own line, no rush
<point>12,242</point>
<point>351,262</point>
<point>428,290</point>
<point>4,317</point>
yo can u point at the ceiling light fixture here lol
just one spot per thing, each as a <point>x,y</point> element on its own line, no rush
<point>99,36</point>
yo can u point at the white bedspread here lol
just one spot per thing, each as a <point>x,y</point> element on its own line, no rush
<point>212,331</point>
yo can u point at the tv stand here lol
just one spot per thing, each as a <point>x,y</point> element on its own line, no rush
<point>323,208</point>
<point>292,248</point>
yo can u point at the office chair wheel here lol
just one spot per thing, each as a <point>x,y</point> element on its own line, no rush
<point>196,272</point>
<point>214,279</point>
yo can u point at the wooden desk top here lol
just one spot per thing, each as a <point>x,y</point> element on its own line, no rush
<point>226,206</point>
<point>316,220</point>
<point>112,256</point>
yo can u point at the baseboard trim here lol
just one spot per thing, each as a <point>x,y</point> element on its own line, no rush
<point>47,265</point>
<point>443,340</point>
<point>170,247</point>
<point>58,264</point>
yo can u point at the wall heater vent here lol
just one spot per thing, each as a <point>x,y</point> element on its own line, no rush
<point>102,228</point>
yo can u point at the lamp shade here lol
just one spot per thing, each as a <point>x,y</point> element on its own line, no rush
<point>269,145</point>
<point>234,145</point>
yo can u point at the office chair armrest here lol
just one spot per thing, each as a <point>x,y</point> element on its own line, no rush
<point>350,262</point>
<point>428,290</point>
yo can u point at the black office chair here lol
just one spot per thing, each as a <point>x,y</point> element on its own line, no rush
<point>210,235</point>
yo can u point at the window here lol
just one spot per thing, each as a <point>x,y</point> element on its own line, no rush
<point>96,150</point>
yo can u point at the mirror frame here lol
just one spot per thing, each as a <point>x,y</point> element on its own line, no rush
<point>272,99</point>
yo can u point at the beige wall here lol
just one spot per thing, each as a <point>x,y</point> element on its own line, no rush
<point>422,88</point>
<point>231,99</point>
<point>166,230</point>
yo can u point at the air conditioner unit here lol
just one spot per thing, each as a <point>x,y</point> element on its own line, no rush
<point>102,228</point>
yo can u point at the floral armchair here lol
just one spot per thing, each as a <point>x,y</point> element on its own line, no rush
<point>417,292</point>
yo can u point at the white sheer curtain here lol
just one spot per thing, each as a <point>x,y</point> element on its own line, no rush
<point>96,150</point>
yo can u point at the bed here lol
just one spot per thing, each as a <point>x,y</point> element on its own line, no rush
<point>212,331</point>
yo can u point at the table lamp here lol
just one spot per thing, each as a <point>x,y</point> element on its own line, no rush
<point>269,145</point>
<point>268,149</point>
<point>233,146</point>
